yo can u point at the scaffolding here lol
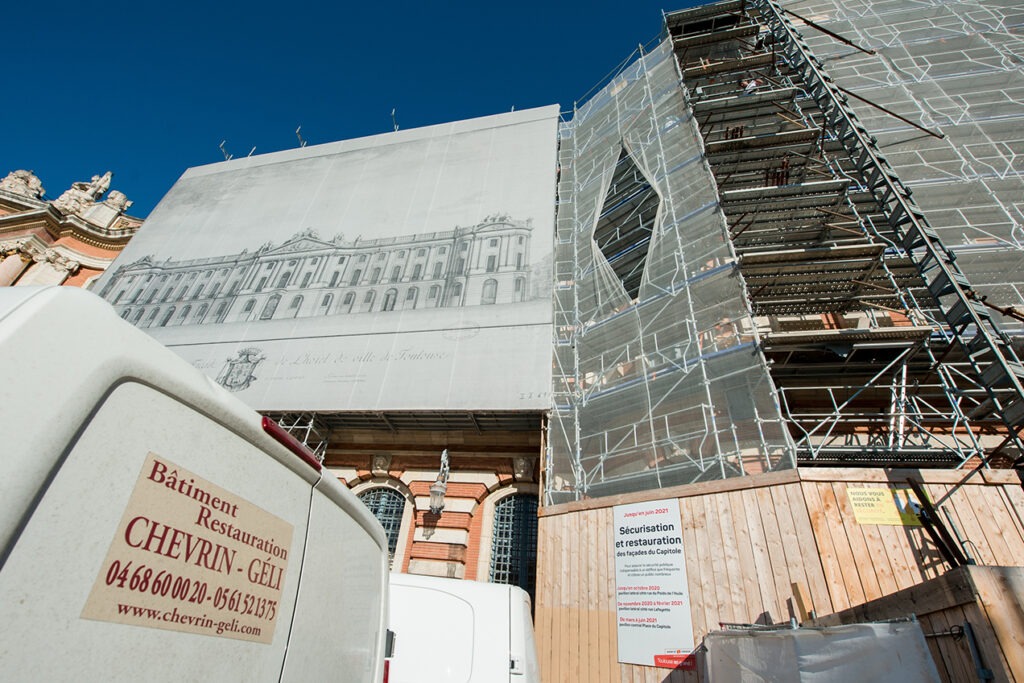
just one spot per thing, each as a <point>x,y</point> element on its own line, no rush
<point>745,283</point>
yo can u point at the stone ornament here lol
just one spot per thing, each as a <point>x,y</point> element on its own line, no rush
<point>380,464</point>
<point>522,468</point>
<point>23,183</point>
<point>84,195</point>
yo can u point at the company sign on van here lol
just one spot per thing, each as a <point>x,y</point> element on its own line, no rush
<point>191,556</point>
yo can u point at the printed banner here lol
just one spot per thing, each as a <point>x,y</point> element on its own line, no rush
<point>652,598</point>
<point>191,556</point>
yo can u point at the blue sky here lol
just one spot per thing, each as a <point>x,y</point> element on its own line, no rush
<point>147,90</point>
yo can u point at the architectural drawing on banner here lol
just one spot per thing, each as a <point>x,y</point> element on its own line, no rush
<point>307,276</point>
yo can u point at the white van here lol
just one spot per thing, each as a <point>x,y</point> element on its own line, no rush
<point>455,631</point>
<point>152,527</point>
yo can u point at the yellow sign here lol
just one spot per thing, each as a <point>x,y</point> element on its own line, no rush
<point>876,505</point>
<point>191,556</point>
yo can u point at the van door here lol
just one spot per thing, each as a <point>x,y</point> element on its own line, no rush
<point>163,546</point>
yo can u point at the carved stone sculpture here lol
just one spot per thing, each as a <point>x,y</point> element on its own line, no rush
<point>83,196</point>
<point>24,183</point>
<point>117,201</point>
<point>522,468</point>
<point>380,464</point>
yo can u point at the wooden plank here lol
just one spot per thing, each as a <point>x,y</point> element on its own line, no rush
<point>588,611</point>
<point>790,542</point>
<point>1015,496</point>
<point>703,613</point>
<point>827,553</point>
<point>863,561</point>
<point>561,624</point>
<point>936,648</point>
<point>991,523</point>
<point>955,655</point>
<point>770,598</point>
<point>731,557</point>
<point>605,654</point>
<point>693,567</point>
<point>683,491</point>
<point>572,579</point>
<point>542,619</point>
<point>1001,591</point>
<point>969,524</point>
<point>879,475</point>
<point>876,547</point>
<point>609,633</point>
<point>988,644</point>
<point>810,556</point>
<point>1013,520</point>
<point>801,603</point>
<point>753,602</point>
<point>953,589</point>
<point>723,601</point>
<point>776,551</point>
<point>901,555</point>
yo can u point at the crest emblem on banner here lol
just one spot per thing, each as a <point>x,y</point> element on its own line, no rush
<point>239,372</point>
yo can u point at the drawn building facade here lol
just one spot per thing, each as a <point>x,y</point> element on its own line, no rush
<point>306,276</point>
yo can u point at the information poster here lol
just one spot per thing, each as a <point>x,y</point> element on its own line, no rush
<point>191,556</point>
<point>652,598</point>
<point>886,506</point>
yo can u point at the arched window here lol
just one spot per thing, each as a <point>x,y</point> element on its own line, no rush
<point>306,278</point>
<point>270,307</point>
<point>326,301</point>
<point>390,297</point>
<point>283,280</point>
<point>184,315</point>
<point>355,277</point>
<point>490,292</point>
<point>387,505</point>
<point>249,305</point>
<point>126,313</point>
<point>221,310</point>
<point>167,317</point>
<point>201,313</point>
<point>349,298</point>
<point>514,542</point>
<point>138,316</point>
<point>152,316</point>
<point>455,296</point>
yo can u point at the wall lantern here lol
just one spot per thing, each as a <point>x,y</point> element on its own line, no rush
<point>440,486</point>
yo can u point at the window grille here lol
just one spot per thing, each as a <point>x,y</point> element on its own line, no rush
<point>388,506</point>
<point>514,542</point>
